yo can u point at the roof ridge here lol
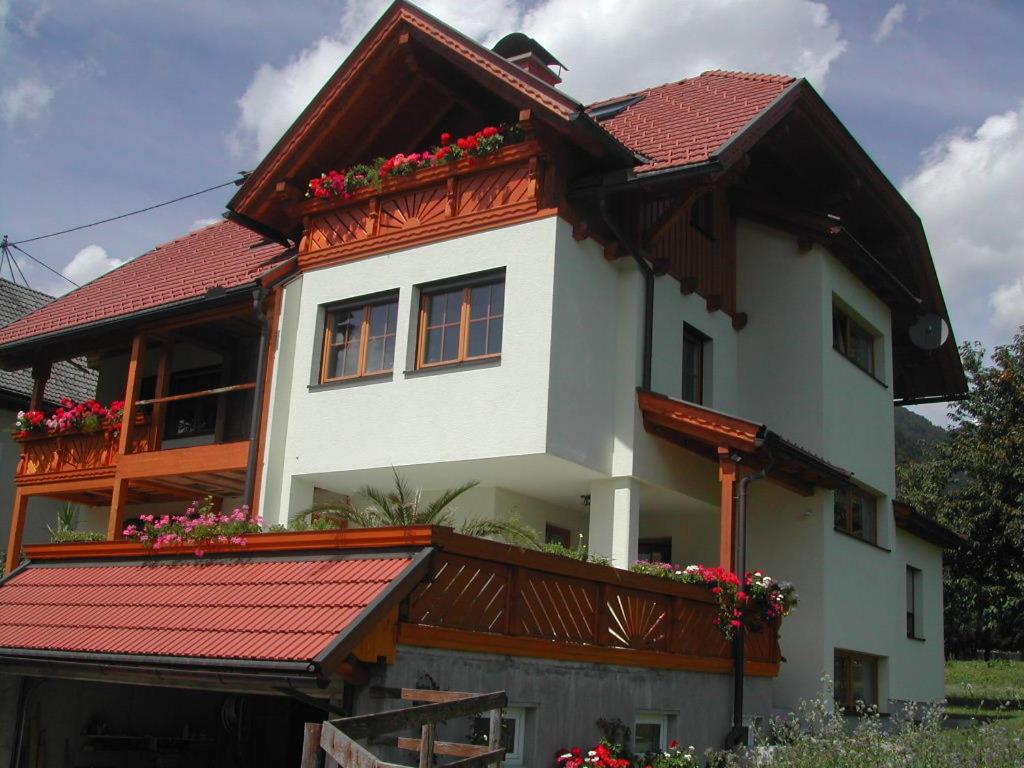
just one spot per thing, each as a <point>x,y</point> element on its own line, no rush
<point>763,77</point>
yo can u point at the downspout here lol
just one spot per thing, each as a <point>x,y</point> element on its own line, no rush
<point>739,734</point>
<point>259,295</point>
<point>648,274</point>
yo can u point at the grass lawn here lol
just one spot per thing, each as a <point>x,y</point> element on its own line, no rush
<point>988,690</point>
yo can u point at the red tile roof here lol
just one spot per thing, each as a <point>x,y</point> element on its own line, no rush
<point>673,125</point>
<point>686,122</point>
<point>283,611</point>
<point>223,254</point>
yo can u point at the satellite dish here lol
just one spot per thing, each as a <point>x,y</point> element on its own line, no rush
<point>929,332</point>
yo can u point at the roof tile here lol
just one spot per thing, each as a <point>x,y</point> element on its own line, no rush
<point>687,122</point>
<point>222,255</point>
<point>285,610</point>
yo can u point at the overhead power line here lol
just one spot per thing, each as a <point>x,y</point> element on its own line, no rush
<point>235,182</point>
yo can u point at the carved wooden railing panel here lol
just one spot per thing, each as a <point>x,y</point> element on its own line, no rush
<point>633,619</point>
<point>555,607</point>
<point>431,204</point>
<point>463,592</point>
<point>495,597</point>
<point>71,454</point>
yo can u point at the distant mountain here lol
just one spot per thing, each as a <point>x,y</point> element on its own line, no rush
<point>914,435</point>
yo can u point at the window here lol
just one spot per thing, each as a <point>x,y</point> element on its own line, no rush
<point>555,535</point>
<point>513,733</point>
<point>853,340</point>
<point>655,550</point>
<point>856,679</point>
<point>693,364</point>
<point>915,629</point>
<point>359,339</point>
<point>461,322</point>
<point>702,214</point>
<point>195,416</point>
<point>856,513</point>
<point>650,733</point>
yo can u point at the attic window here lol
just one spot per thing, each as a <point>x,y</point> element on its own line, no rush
<point>611,109</point>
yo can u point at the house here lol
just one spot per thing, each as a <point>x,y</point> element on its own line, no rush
<point>671,324</point>
<point>68,379</point>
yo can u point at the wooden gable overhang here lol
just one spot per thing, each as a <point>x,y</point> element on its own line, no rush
<point>794,167</point>
<point>711,433</point>
<point>411,78</point>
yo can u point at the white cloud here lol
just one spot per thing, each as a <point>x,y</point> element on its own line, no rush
<point>88,264</point>
<point>1007,303</point>
<point>25,101</point>
<point>610,47</point>
<point>892,19</point>
<point>969,192</point>
<point>202,223</point>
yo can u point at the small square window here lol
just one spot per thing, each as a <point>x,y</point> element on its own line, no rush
<point>853,340</point>
<point>513,733</point>
<point>655,550</point>
<point>650,733</point>
<point>856,679</point>
<point>461,321</point>
<point>359,339</point>
<point>553,534</point>
<point>856,512</point>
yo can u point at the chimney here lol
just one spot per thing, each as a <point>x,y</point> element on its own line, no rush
<point>527,53</point>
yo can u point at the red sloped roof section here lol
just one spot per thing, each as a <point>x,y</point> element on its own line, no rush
<point>224,254</point>
<point>266,611</point>
<point>686,122</point>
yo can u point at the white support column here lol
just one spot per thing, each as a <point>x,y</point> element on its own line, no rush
<point>615,520</point>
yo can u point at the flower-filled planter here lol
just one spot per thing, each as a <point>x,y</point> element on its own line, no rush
<point>85,418</point>
<point>343,184</point>
<point>761,601</point>
<point>197,527</point>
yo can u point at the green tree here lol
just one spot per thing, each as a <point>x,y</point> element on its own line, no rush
<point>402,505</point>
<point>974,483</point>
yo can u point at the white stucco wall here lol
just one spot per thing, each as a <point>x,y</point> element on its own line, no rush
<point>412,418</point>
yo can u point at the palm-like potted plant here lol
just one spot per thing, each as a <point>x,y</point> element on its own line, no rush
<point>402,505</point>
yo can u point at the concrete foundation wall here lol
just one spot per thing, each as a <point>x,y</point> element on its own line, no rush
<point>563,700</point>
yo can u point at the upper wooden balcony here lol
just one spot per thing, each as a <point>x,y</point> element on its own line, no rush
<point>470,195</point>
<point>184,435</point>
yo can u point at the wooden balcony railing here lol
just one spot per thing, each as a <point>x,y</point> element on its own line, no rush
<point>470,195</point>
<point>502,599</point>
<point>73,456</point>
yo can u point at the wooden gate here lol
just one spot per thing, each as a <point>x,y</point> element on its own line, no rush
<point>337,738</point>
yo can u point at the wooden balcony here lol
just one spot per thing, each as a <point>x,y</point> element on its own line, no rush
<point>485,597</point>
<point>431,204</point>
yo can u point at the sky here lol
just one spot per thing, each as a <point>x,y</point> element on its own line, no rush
<point>111,105</point>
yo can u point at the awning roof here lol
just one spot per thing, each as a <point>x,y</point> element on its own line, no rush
<point>293,615</point>
<point>705,430</point>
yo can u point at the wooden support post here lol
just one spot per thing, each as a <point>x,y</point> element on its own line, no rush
<point>131,391</point>
<point>426,746</point>
<point>17,530</point>
<point>118,500</point>
<point>40,375</point>
<point>727,526</point>
<point>162,389</point>
<point>312,757</point>
<point>494,739</point>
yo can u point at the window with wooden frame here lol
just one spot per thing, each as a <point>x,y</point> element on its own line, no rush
<point>855,679</point>
<point>359,339</point>
<point>513,733</point>
<point>856,513</point>
<point>693,364</point>
<point>853,340</point>
<point>461,321</point>
<point>915,629</point>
